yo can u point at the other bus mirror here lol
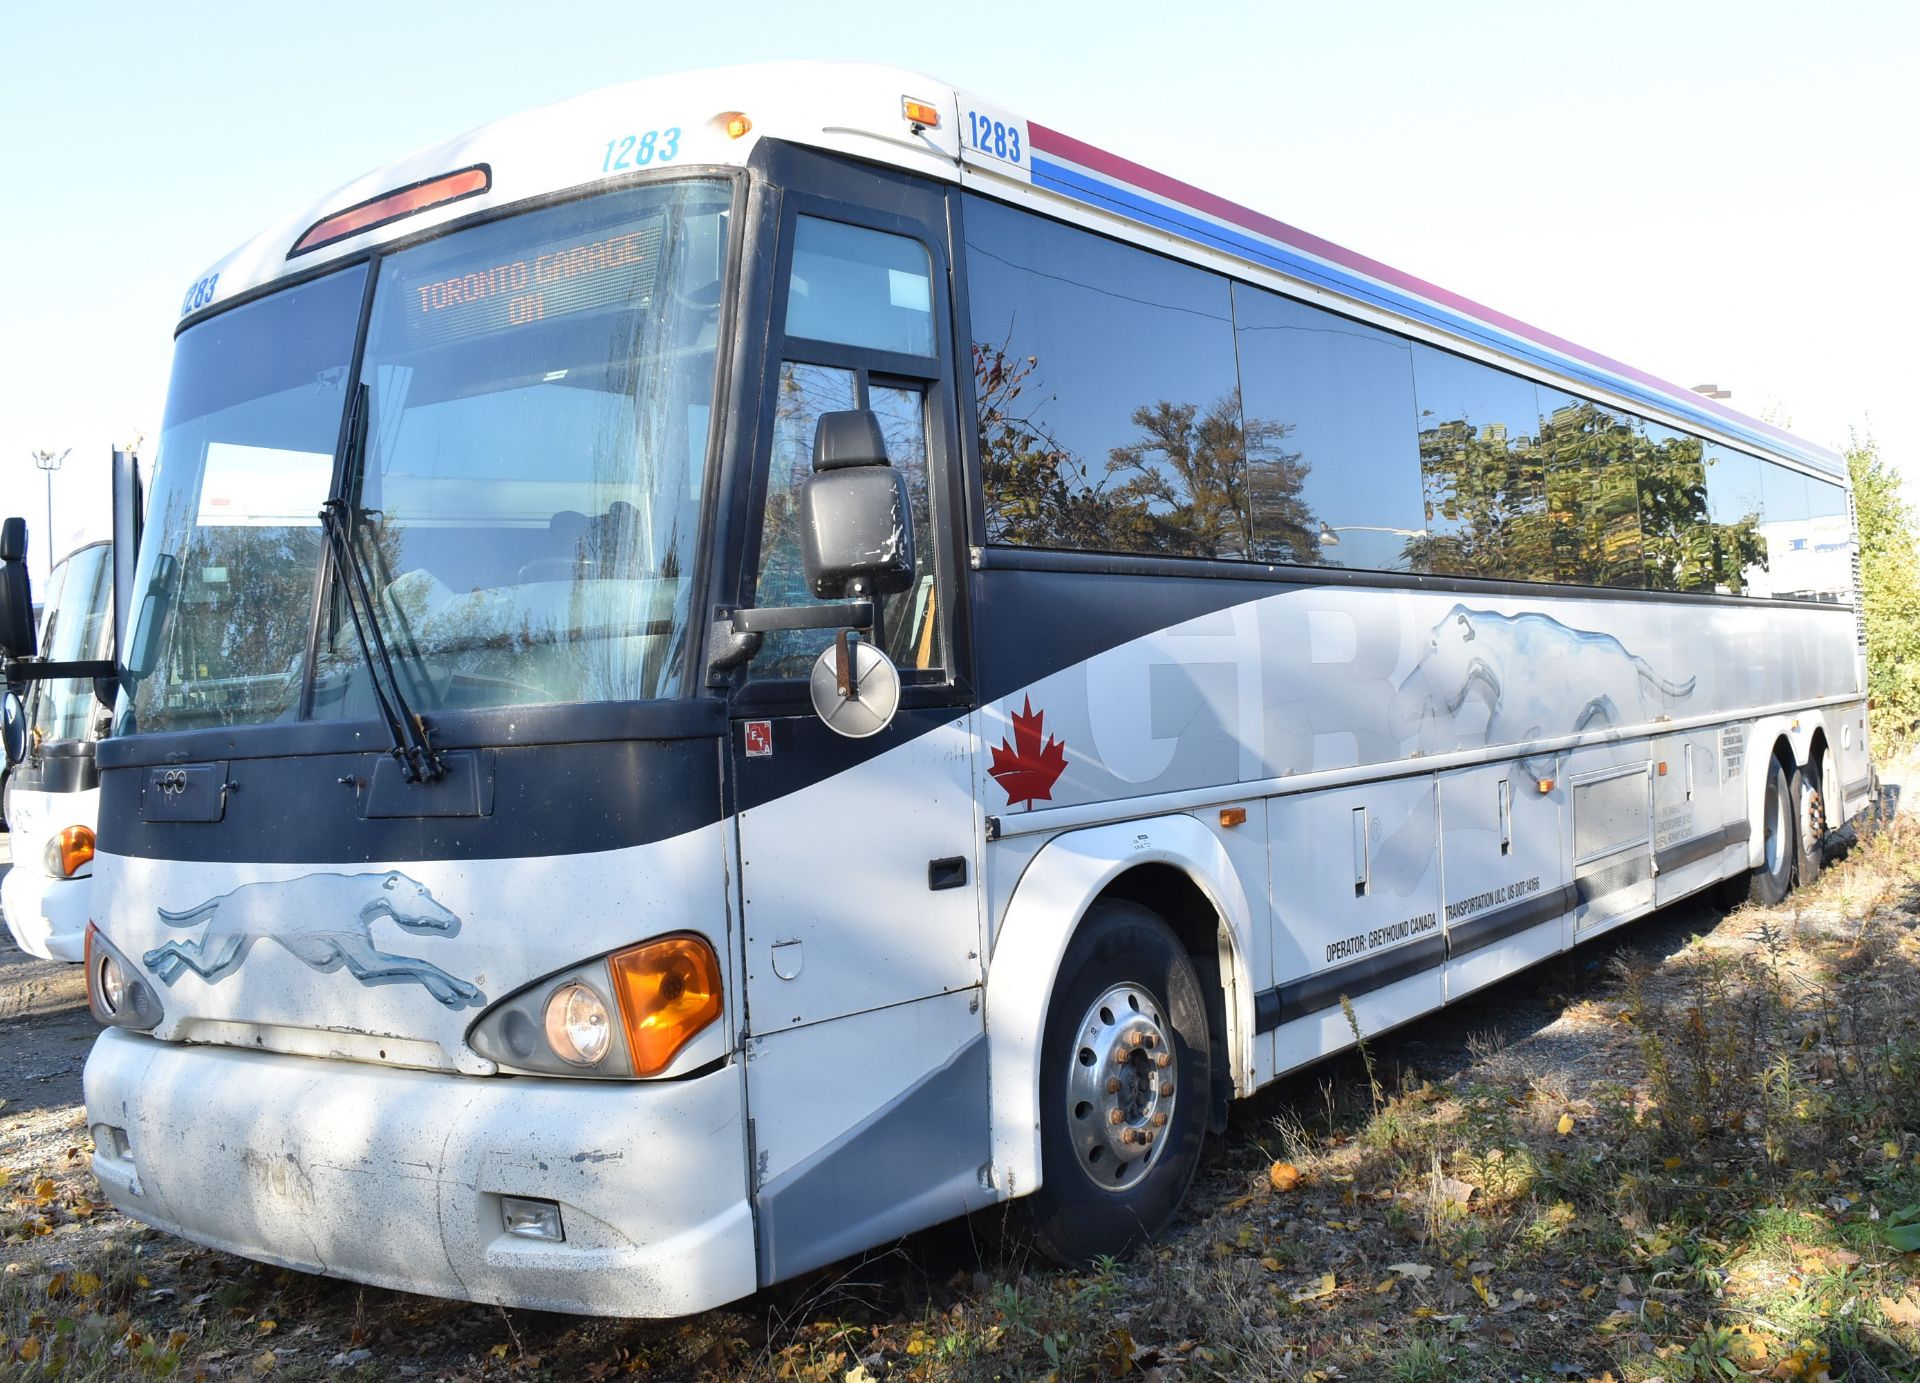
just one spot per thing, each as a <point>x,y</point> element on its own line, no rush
<point>156,603</point>
<point>16,592</point>
<point>13,726</point>
<point>856,529</point>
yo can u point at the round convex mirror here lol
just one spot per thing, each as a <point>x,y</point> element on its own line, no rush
<point>876,693</point>
<point>13,727</point>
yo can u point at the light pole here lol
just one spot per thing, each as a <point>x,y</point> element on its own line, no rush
<point>49,462</point>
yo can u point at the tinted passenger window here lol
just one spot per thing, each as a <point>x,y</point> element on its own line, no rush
<point>1733,508</point>
<point>1333,472</point>
<point>860,287</point>
<point>1107,402</point>
<point>1594,458</point>
<point>1676,536</point>
<point>1483,474</point>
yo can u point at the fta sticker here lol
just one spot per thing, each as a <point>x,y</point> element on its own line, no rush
<point>759,739</point>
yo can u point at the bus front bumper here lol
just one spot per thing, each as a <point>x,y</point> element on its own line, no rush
<point>395,1177</point>
<point>47,917</point>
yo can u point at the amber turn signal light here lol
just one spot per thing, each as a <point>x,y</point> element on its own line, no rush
<point>922,113</point>
<point>669,990</point>
<point>69,851</point>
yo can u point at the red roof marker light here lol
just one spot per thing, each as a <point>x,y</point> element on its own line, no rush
<point>392,206</point>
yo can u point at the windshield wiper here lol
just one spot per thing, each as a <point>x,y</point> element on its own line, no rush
<point>419,760</point>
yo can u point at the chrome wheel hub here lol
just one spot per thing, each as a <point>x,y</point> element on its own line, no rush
<point>1122,1080</point>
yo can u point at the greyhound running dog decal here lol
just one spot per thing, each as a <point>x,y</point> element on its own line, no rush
<point>326,921</point>
<point>1530,675</point>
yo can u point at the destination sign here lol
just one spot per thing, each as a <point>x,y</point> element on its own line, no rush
<point>548,280</point>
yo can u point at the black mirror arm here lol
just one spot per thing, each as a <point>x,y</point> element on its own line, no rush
<point>41,670</point>
<point>737,632</point>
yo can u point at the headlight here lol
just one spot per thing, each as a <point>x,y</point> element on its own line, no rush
<point>70,851</point>
<point>632,1014</point>
<point>578,1029</point>
<point>116,993</point>
<point>113,984</point>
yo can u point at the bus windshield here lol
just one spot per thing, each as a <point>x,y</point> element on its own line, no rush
<point>77,629</point>
<point>524,484</point>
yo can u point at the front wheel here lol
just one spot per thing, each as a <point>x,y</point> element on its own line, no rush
<point>1774,876</point>
<point>1125,1075</point>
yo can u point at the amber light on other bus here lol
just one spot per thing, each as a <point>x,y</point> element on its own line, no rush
<point>69,850</point>
<point>391,206</point>
<point>668,990</point>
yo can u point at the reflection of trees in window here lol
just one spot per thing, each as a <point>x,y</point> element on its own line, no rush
<point>1197,482</point>
<point>1487,503</point>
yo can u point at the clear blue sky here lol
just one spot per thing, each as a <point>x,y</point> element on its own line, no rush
<point>1715,192</point>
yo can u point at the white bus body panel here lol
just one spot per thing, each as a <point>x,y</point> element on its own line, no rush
<point>47,917</point>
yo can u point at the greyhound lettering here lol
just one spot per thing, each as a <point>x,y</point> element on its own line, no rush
<point>323,919</point>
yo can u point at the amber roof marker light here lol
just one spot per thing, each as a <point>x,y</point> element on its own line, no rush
<point>922,115</point>
<point>394,205</point>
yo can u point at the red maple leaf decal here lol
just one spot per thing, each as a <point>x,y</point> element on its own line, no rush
<point>1024,768</point>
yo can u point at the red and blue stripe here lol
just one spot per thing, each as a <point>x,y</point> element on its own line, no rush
<point>1071,168</point>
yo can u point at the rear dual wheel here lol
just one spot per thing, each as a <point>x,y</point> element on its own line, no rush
<point>1124,1082</point>
<point>1793,830</point>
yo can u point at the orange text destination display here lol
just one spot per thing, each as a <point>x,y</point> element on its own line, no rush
<point>554,280</point>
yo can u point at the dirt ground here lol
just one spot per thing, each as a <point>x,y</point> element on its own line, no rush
<point>88,1294</point>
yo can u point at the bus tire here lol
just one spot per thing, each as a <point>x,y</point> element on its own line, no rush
<point>1809,824</point>
<point>1773,876</point>
<point>1125,1079</point>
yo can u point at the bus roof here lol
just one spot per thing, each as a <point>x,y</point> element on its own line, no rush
<point>865,110</point>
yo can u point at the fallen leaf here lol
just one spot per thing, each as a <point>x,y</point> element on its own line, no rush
<point>1455,1190</point>
<point>1325,1287</point>
<point>1566,1124</point>
<point>1419,1272</point>
<point>1283,1176</point>
<point>86,1284</point>
<point>1903,1310</point>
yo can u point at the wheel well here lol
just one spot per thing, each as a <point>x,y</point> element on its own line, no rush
<point>1783,755</point>
<point>1180,903</point>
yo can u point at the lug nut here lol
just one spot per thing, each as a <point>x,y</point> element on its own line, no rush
<point>1146,1135</point>
<point>1114,1116</point>
<point>1160,1119</point>
<point>1113,1085</point>
<point>1119,1056</point>
<point>1133,1038</point>
<point>1164,1060</point>
<point>1166,1087</point>
<point>1130,1135</point>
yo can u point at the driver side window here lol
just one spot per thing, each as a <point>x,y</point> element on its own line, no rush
<point>865,289</point>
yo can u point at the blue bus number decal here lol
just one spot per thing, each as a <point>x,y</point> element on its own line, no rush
<point>199,295</point>
<point>994,137</point>
<point>637,151</point>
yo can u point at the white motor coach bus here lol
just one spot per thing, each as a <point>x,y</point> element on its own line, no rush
<point>750,662</point>
<point>53,791</point>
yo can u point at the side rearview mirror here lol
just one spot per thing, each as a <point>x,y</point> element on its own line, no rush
<point>856,531</point>
<point>13,726</point>
<point>16,593</point>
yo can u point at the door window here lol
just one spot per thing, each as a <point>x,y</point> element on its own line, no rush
<point>910,618</point>
<point>859,311</point>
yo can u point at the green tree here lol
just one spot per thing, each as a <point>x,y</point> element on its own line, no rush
<point>1890,595</point>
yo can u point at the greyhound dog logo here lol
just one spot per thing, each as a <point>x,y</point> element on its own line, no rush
<point>326,921</point>
<point>1520,677</point>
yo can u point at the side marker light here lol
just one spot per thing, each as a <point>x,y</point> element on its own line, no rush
<point>1546,786</point>
<point>922,115</point>
<point>1233,816</point>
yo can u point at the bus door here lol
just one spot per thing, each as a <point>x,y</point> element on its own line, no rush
<point>866,1070</point>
